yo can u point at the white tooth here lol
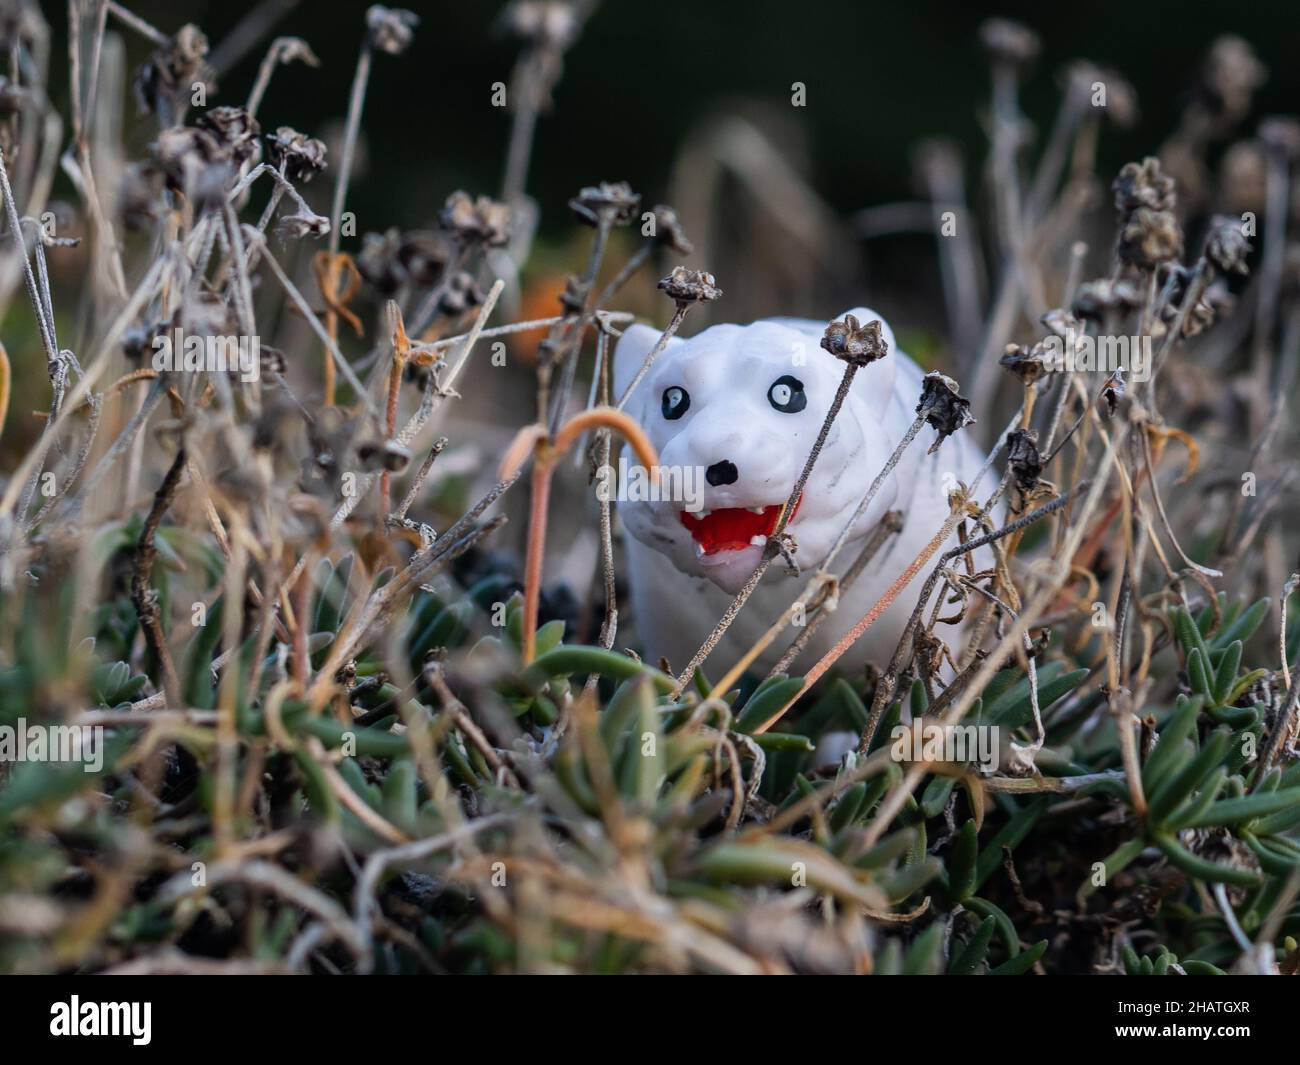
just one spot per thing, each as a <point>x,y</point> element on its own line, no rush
<point>756,510</point>
<point>757,541</point>
<point>699,550</point>
<point>700,515</point>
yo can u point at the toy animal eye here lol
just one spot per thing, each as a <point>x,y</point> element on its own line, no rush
<point>677,401</point>
<point>787,395</point>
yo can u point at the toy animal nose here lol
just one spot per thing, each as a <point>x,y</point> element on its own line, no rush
<point>721,473</point>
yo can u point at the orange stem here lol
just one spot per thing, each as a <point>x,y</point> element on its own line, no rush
<point>537,507</point>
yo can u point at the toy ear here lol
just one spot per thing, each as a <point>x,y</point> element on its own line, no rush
<point>630,352</point>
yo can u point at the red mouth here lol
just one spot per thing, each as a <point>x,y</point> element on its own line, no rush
<point>734,528</point>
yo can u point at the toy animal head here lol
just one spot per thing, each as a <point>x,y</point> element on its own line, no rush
<point>735,412</point>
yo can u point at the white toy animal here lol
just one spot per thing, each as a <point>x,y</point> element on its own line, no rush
<point>743,404</point>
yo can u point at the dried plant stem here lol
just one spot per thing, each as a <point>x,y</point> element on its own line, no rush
<point>547,452</point>
<point>143,595</point>
<point>885,471</point>
<point>890,524</point>
<point>773,549</point>
<point>674,323</point>
<point>5,375</point>
<point>1011,641</point>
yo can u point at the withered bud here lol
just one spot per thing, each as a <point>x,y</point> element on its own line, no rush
<point>294,50</point>
<point>690,286</point>
<point>1029,364</point>
<point>171,72</point>
<point>858,345</point>
<point>1215,300</point>
<point>193,162</point>
<point>668,230</point>
<point>392,259</point>
<point>1120,101</point>
<point>461,294</point>
<point>301,156</point>
<point>1023,458</point>
<point>1281,134</point>
<point>1150,238</point>
<point>1009,42</point>
<point>613,201</point>
<point>1232,74</point>
<point>945,409</point>
<point>1096,299</point>
<point>1143,185</point>
<point>234,129</point>
<point>1226,245</point>
<point>1061,322</point>
<point>1113,392</point>
<point>548,23</point>
<point>390,29</point>
<point>1243,179</point>
<point>476,221</point>
<point>302,224</point>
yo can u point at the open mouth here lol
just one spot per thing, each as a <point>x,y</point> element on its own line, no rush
<point>733,528</point>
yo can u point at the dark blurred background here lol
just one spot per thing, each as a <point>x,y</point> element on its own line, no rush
<point>648,86</point>
<point>879,75</point>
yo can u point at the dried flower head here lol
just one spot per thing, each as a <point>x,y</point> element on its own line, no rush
<point>690,286</point>
<point>1023,458</point>
<point>1226,245</point>
<point>172,71</point>
<point>1114,391</point>
<point>1243,178</point>
<point>548,23</point>
<point>390,29</point>
<point>944,408</point>
<point>476,221</point>
<point>1281,134</point>
<point>301,157</point>
<point>1061,322</point>
<point>1231,76</point>
<point>668,230</point>
<point>193,162</point>
<point>1029,364</point>
<point>393,259</point>
<point>1009,42</point>
<point>1097,299</point>
<point>235,130</point>
<point>302,223</point>
<point>461,294</point>
<point>613,201</point>
<point>854,343</point>
<point>1210,304</point>
<point>1143,185</point>
<point>1150,238</point>
<point>1120,101</point>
